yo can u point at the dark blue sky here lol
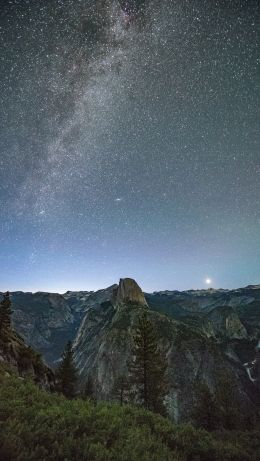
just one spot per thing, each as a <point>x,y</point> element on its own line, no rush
<point>129,144</point>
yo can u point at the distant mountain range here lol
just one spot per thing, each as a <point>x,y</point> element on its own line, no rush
<point>201,331</point>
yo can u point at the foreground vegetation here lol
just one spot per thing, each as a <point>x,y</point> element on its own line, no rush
<point>36,425</point>
<point>39,426</point>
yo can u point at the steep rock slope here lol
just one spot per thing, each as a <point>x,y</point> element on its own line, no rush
<point>129,291</point>
<point>45,321</point>
<point>226,323</point>
<point>22,359</point>
<point>103,348</point>
<point>204,301</point>
<point>77,299</point>
<point>230,316</point>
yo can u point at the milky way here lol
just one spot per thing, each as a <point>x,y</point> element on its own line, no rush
<point>129,144</point>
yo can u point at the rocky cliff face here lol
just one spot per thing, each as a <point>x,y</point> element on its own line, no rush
<point>103,321</point>
<point>45,321</point>
<point>103,348</point>
<point>204,301</point>
<point>22,359</point>
<point>77,299</point>
<point>232,317</point>
<point>128,291</point>
<point>226,323</point>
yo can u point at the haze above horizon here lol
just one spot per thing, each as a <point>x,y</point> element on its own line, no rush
<point>129,144</point>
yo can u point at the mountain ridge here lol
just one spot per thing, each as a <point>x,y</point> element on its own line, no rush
<point>198,330</point>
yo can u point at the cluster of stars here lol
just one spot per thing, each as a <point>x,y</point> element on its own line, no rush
<point>129,141</point>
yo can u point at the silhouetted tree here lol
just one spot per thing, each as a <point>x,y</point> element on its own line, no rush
<point>148,367</point>
<point>66,374</point>
<point>89,390</point>
<point>5,316</point>
<point>205,411</point>
<point>121,390</point>
<point>229,408</point>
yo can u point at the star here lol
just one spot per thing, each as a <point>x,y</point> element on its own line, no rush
<point>128,123</point>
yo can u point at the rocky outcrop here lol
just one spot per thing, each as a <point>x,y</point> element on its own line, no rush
<point>45,321</point>
<point>103,322</point>
<point>226,323</point>
<point>253,367</point>
<point>204,301</point>
<point>103,350</point>
<point>22,359</point>
<point>77,300</point>
<point>231,317</point>
<point>130,292</point>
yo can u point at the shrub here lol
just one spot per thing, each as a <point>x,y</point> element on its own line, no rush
<point>39,426</point>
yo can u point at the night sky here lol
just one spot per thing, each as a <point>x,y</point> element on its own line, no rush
<point>129,144</point>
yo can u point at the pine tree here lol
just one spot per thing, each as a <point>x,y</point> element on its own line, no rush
<point>229,408</point>
<point>89,391</point>
<point>148,367</point>
<point>5,316</point>
<point>121,390</point>
<point>205,411</point>
<point>67,375</point>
